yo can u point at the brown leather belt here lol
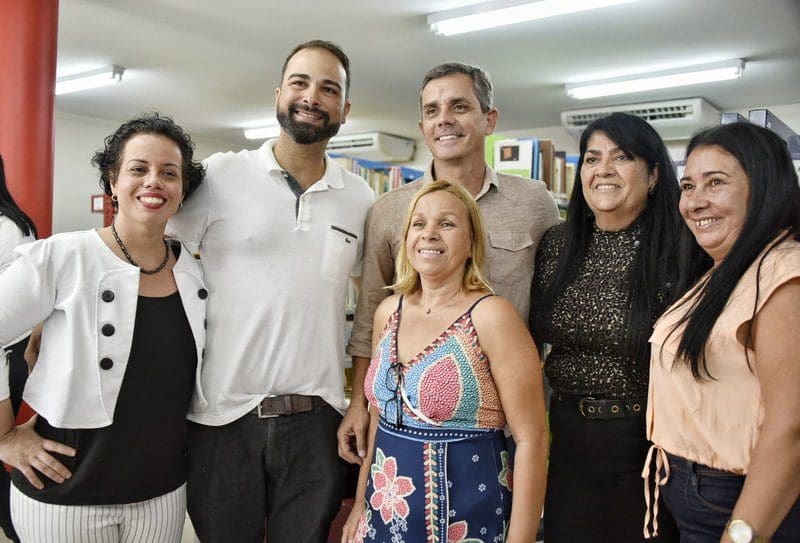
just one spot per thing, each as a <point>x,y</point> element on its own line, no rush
<point>288,404</point>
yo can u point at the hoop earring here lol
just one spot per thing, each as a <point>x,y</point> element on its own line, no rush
<point>114,198</point>
<point>180,205</point>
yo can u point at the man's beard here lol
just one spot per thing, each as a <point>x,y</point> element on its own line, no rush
<point>304,133</point>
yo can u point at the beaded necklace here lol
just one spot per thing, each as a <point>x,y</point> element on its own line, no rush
<point>133,262</point>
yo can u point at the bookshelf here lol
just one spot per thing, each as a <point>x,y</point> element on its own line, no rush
<point>537,158</point>
<point>382,177</point>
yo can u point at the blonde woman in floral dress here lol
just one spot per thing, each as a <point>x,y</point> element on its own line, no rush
<point>452,364</point>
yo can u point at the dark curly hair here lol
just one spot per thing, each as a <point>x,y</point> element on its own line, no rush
<point>108,158</point>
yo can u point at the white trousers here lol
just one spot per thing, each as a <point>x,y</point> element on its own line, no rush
<point>158,520</point>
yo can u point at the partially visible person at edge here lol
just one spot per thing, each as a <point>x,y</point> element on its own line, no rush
<point>452,364</point>
<point>724,406</point>
<point>280,230</point>
<point>123,311</point>
<point>602,279</point>
<point>16,228</point>
<point>456,114</point>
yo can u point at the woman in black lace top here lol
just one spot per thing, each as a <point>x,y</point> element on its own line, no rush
<point>602,278</point>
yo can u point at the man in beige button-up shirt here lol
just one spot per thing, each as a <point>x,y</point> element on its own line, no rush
<point>456,115</point>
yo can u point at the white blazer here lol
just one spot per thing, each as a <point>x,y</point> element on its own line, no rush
<point>87,298</point>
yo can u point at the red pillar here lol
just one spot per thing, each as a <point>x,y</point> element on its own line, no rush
<point>28,45</point>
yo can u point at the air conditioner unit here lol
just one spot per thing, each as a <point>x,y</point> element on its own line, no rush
<point>673,119</point>
<point>373,146</point>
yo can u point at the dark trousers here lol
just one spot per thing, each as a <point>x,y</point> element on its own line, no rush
<point>284,469</point>
<point>595,492</point>
<point>702,498</point>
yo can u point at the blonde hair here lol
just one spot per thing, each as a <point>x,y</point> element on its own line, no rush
<point>407,278</point>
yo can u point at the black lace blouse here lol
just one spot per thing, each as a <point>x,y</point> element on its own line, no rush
<point>587,328</point>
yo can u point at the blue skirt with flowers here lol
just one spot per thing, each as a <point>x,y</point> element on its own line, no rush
<point>437,485</point>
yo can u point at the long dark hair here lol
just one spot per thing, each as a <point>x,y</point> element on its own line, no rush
<point>10,209</point>
<point>774,207</point>
<point>666,244</point>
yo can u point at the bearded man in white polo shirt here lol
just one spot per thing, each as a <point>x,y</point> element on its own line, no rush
<point>279,231</point>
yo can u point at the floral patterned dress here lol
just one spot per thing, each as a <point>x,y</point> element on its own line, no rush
<point>441,469</point>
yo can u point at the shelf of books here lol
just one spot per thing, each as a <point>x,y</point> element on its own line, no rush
<point>381,176</point>
<point>537,158</point>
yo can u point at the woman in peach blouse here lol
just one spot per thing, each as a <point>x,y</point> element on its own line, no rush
<point>724,398</point>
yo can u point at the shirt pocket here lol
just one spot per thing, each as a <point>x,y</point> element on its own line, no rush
<point>339,255</point>
<point>508,254</point>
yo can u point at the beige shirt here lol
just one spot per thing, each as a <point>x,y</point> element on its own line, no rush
<point>716,422</point>
<point>516,212</point>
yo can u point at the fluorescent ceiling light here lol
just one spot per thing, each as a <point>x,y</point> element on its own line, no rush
<point>506,12</point>
<point>690,75</point>
<point>92,79</point>
<point>267,129</point>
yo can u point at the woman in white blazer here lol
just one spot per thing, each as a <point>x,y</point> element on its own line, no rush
<point>124,328</point>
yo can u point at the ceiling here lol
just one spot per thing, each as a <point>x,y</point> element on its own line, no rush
<point>213,65</point>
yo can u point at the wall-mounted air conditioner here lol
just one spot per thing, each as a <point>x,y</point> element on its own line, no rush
<point>673,119</point>
<point>373,146</point>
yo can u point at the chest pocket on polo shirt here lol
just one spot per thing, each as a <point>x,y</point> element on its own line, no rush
<point>341,249</point>
<point>507,253</point>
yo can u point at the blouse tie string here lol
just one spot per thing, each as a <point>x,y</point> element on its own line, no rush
<point>662,462</point>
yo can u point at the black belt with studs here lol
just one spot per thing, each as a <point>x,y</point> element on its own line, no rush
<point>599,408</point>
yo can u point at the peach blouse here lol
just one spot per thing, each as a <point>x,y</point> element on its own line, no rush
<point>716,422</point>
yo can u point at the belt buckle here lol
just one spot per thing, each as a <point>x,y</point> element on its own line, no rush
<point>580,406</point>
<point>261,415</point>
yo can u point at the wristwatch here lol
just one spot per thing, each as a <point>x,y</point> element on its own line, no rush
<point>740,531</point>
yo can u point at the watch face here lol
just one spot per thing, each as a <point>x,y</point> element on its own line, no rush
<point>740,532</point>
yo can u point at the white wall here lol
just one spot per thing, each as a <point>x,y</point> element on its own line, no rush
<point>75,180</point>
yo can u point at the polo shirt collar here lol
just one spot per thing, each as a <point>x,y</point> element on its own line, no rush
<point>489,178</point>
<point>332,178</point>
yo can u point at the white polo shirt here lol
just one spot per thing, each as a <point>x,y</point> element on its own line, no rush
<point>276,281</point>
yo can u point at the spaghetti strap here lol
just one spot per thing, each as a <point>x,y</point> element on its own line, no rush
<point>479,300</point>
<point>400,303</point>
